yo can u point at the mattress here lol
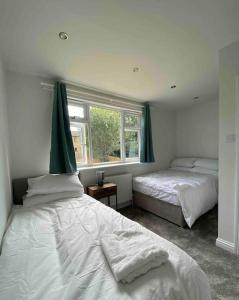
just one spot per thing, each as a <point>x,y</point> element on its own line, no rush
<point>52,251</point>
<point>195,193</point>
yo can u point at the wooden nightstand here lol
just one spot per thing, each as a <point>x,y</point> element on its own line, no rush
<point>104,191</point>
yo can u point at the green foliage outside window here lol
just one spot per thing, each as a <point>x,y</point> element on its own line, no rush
<point>105,134</point>
<point>131,120</point>
<point>131,144</point>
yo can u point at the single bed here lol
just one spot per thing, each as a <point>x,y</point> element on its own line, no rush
<point>52,251</point>
<point>180,196</point>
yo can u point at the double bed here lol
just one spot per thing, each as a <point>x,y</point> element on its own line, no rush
<point>180,194</point>
<point>52,251</point>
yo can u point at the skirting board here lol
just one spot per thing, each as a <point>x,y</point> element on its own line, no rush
<point>123,204</point>
<point>228,246</point>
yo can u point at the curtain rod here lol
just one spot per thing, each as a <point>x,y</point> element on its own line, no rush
<point>83,91</point>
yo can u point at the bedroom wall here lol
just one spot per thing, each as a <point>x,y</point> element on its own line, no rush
<point>197,130</point>
<point>29,109</point>
<point>228,69</point>
<point>5,186</point>
<point>29,112</point>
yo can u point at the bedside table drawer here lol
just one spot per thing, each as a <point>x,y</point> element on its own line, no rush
<point>103,193</point>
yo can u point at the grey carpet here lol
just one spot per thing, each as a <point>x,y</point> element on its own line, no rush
<point>221,267</point>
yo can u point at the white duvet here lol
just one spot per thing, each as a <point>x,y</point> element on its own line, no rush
<point>195,193</point>
<point>53,251</point>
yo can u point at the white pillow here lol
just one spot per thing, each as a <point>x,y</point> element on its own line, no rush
<point>50,184</point>
<point>204,171</point>
<point>206,163</point>
<point>40,199</point>
<point>187,162</point>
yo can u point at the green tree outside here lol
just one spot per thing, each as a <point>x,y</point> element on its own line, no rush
<point>105,134</point>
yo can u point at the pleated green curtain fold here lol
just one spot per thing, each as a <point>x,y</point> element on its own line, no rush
<point>62,156</point>
<point>147,152</point>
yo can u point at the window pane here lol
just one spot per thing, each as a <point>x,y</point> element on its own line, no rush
<point>79,142</point>
<point>105,134</point>
<point>76,111</point>
<point>131,144</point>
<point>131,120</point>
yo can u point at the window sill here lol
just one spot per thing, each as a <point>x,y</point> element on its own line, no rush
<point>108,166</point>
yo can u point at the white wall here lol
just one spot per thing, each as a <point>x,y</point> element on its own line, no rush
<point>197,130</point>
<point>29,109</point>
<point>29,112</point>
<point>5,186</point>
<point>228,68</point>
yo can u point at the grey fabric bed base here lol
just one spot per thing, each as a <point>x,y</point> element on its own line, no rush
<point>170,212</point>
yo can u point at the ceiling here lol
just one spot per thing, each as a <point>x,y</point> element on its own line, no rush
<point>170,41</point>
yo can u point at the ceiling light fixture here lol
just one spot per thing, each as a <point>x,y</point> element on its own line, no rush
<point>136,69</point>
<point>173,86</point>
<point>195,98</point>
<point>63,36</point>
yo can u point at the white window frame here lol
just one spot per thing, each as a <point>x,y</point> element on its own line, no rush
<point>84,144</point>
<point>131,128</point>
<point>77,122</point>
<point>78,119</point>
<point>123,127</point>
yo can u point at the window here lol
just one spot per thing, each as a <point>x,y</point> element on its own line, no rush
<point>78,132</point>
<point>131,135</point>
<point>104,135</point>
<point>76,112</point>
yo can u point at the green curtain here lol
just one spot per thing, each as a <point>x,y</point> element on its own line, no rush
<point>62,157</point>
<point>147,152</point>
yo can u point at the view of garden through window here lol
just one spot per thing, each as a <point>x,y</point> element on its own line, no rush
<point>107,135</point>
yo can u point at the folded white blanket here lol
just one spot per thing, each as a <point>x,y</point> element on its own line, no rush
<point>131,254</point>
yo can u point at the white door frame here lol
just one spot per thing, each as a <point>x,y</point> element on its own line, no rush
<point>236,224</point>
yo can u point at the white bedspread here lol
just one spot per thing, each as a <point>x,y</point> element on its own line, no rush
<point>195,193</point>
<point>53,252</point>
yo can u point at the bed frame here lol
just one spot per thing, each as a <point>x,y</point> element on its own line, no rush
<point>170,212</point>
<point>19,189</point>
